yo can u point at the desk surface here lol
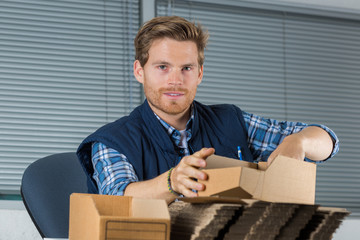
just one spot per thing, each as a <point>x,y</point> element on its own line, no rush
<point>56,239</point>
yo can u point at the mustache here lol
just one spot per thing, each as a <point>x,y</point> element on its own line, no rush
<point>174,89</point>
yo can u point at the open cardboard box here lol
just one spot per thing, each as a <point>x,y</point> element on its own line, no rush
<point>286,180</point>
<point>94,216</point>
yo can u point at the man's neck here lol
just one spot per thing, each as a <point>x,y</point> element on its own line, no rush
<point>177,121</point>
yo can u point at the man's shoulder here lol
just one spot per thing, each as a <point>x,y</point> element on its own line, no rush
<point>132,121</point>
<point>218,108</point>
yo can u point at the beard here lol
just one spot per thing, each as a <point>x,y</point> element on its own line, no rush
<point>157,99</point>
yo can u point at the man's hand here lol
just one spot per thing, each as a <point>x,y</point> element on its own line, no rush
<point>312,142</point>
<point>182,179</point>
<point>184,174</point>
<point>291,146</point>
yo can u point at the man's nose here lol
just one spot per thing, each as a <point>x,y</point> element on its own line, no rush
<point>175,77</point>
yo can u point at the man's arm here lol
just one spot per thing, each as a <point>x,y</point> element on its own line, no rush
<point>153,188</point>
<point>312,142</point>
<point>181,179</point>
<point>269,138</point>
<point>115,175</point>
<point>112,170</point>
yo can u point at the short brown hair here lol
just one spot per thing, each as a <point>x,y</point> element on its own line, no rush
<point>173,27</point>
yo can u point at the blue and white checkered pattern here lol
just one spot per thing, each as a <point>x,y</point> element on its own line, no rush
<point>264,135</point>
<point>113,172</point>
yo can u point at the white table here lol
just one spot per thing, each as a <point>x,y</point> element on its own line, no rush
<point>56,239</point>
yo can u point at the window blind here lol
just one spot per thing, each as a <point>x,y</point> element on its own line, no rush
<point>287,66</point>
<point>65,70</point>
<point>323,69</point>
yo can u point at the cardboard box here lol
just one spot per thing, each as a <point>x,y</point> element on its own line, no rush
<point>286,180</point>
<point>100,217</point>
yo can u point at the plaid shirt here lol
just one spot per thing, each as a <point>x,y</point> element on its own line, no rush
<point>113,172</point>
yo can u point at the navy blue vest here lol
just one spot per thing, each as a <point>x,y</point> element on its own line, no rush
<point>146,144</point>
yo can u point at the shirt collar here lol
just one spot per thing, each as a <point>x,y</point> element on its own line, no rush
<point>173,132</point>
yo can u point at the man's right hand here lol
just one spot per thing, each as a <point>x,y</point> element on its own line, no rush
<point>184,175</point>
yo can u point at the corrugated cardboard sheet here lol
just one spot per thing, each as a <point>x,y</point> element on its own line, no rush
<point>253,220</point>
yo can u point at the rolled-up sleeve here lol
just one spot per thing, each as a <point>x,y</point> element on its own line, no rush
<point>264,135</point>
<point>112,171</point>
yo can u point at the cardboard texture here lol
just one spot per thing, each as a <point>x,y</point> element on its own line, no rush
<point>253,220</point>
<point>100,217</point>
<point>286,180</point>
<point>252,201</point>
<point>242,200</point>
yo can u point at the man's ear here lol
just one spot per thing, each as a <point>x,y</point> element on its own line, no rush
<point>138,72</point>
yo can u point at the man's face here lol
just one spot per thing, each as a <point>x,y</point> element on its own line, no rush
<point>170,76</point>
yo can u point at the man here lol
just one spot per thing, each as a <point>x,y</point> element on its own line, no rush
<point>159,149</point>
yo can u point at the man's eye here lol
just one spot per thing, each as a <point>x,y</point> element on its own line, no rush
<point>162,67</point>
<point>187,68</point>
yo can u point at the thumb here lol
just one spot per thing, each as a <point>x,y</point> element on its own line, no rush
<point>204,152</point>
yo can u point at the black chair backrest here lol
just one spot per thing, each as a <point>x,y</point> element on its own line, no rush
<point>45,189</point>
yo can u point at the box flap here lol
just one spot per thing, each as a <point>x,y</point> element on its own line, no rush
<point>110,205</point>
<point>252,181</point>
<point>215,161</point>
<point>150,208</point>
<point>83,210</point>
<point>285,180</point>
<point>224,182</point>
<point>289,180</point>
<point>238,179</point>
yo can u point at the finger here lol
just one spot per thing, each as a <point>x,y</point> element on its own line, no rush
<point>192,172</point>
<point>198,158</point>
<point>188,185</point>
<point>194,161</point>
<point>204,153</point>
<point>182,177</point>
<point>191,184</point>
<point>189,193</point>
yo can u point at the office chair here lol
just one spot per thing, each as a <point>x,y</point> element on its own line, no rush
<point>45,189</point>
